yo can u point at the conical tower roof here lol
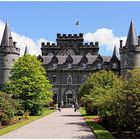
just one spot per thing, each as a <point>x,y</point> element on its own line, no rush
<point>114,56</point>
<point>132,38</point>
<point>26,51</point>
<point>7,38</point>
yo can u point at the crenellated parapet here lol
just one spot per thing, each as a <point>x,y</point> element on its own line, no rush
<point>49,45</point>
<point>91,45</point>
<point>11,50</point>
<point>67,42</point>
<point>70,40</point>
<point>69,36</point>
<point>126,49</point>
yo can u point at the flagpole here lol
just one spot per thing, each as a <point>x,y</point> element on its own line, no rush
<point>77,26</point>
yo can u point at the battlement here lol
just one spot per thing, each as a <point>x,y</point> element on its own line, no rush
<point>48,44</point>
<point>126,49</point>
<point>91,44</point>
<point>69,36</point>
<point>11,50</point>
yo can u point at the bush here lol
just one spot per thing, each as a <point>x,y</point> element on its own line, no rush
<point>8,108</point>
<point>130,109</point>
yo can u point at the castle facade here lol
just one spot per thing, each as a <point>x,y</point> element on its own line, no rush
<point>70,61</point>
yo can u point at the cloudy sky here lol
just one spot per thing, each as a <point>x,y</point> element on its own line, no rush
<point>34,22</point>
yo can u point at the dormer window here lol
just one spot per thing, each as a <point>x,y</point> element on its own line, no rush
<point>99,65</point>
<point>69,79</point>
<point>114,65</point>
<point>54,79</point>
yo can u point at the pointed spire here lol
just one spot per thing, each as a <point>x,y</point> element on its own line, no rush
<point>7,38</point>
<point>114,51</point>
<point>114,56</point>
<point>132,38</point>
<point>26,51</point>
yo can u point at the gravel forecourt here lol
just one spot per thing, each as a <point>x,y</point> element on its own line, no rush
<point>66,124</point>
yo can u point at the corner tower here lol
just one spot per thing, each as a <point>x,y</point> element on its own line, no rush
<point>8,54</point>
<point>130,53</point>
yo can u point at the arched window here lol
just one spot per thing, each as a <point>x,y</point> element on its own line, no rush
<point>69,79</point>
<point>83,78</point>
<point>54,81</point>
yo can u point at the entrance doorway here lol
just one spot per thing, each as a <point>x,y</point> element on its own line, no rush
<point>69,97</point>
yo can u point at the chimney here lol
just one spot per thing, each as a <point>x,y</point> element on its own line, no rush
<point>121,43</point>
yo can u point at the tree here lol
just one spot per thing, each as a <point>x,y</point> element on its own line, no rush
<point>99,92</point>
<point>130,109</point>
<point>28,83</point>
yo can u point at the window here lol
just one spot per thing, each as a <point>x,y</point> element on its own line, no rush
<point>83,78</point>
<point>69,66</point>
<point>69,79</point>
<point>84,66</point>
<point>99,65</point>
<point>114,65</point>
<point>54,79</point>
<point>54,66</point>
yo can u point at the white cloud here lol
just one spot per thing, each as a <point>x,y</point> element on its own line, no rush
<point>22,41</point>
<point>105,37</point>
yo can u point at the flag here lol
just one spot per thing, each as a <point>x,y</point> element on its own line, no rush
<point>77,23</point>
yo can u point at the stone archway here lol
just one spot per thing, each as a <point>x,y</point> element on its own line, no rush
<point>69,97</point>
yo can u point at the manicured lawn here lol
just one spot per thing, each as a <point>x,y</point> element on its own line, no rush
<point>99,131</point>
<point>24,122</point>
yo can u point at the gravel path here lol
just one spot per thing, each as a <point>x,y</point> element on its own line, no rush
<point>66,124</point>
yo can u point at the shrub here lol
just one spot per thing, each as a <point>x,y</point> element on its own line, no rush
<point>8,107</point>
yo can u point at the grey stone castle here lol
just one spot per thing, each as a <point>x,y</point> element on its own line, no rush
<point>8,54</point>
<point>70,61</point>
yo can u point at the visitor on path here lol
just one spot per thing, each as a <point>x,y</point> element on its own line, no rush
<point>76,108</point>
<point>59,108</point>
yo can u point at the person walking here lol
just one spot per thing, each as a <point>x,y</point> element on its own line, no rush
<point>59,108</point>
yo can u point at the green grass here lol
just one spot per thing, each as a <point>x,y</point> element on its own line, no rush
<point>99,131</point>
<point>24,122</point>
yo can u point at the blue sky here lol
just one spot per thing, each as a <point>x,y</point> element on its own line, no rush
<point>43,20</point>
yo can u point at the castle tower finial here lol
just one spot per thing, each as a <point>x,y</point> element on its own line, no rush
<point>26,50</point>
<point>132,38</point>
<point>114,51</point>
<point>7,38</point>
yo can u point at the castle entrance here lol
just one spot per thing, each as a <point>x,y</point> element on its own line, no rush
<point>69,97</point>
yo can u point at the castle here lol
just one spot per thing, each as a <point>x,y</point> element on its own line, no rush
<point>70,61</point>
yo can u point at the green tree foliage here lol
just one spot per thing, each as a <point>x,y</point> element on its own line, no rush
<point>8,107</point>
<point>100,93</point>
<point>115,100</point>
<point>130,109</point>
<point>29,84</point>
